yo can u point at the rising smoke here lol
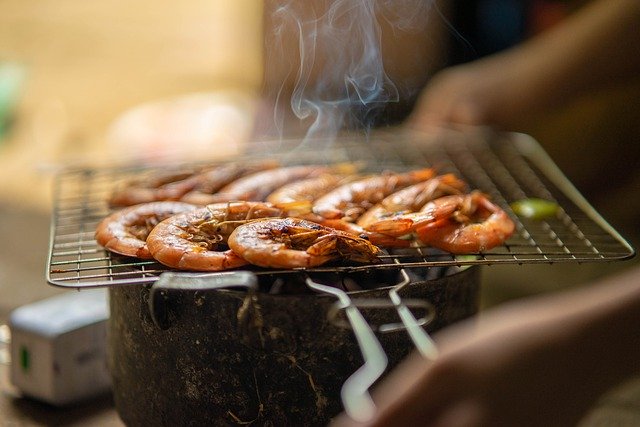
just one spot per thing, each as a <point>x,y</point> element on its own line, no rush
<point>332,61</point>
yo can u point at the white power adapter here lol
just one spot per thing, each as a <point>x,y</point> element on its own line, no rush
<point>58,347</point>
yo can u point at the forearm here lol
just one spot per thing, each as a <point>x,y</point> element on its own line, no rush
<point>594,332</point>
<point>596,47</point>
<point>542,361</point>
<point>607,322</point>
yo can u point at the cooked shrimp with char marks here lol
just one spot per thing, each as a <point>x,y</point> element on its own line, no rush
<point>413,198</point>
<point>257,186</point>
<point>306,190</point>
<point>210,181</point>
<point>401,224</point>
<point>297,198</point>
<point>125,231</point>
<point>182,184</point>
<point>197,240</point>
<point>154,187</point>
<point>473,224</point>
<point>351,200</point>
<point>294,243</point>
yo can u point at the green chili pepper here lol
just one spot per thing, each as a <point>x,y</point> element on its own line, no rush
<point>535,208</point>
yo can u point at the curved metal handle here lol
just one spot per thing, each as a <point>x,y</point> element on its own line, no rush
<point>159,294</point>
<point>421,339</point>
<point>356,399</point>
<point>378,303</point>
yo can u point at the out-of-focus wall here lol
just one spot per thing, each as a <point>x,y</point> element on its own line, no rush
<point>87,62</point>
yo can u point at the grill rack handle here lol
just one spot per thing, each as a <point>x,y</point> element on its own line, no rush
<point>413,304</point>
<point>421,339</point>
<point>356,399</point>
<point>160,303</point>
<point>414,327</point>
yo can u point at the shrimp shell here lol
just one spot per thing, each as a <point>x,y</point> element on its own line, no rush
<point>476,225</point>
<point>259,185</point>
<point>193,240</point>
<point>209,182</point>
<point>294,243</point>
<point>125,231</point>
<point>306,190</point>
<point>351,200</point>
<point>155,187</point>
<point>412,198</point>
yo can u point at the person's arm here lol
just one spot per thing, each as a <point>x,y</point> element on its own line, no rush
<point>540,362</point>
<point>596,47</point>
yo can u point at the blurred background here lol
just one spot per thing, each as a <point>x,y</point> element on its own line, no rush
<point>121,81</point>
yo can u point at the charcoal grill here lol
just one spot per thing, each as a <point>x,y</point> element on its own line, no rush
<point>507,166</point>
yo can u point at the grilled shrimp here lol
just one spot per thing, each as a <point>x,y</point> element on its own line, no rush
<point>125,231</point>
<point>351,200</point>
<point>298,198</point>
<point>306,190</point>
<point>210,181</point>
<point>293,242</point>
<point>259,185</point>
<point>177,184</point>
<point>412,198</point>
<point>197,240</point>
<point>155,187</point>
<point>476,224</point>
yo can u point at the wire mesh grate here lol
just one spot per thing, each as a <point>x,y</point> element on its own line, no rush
<point>508,167</point>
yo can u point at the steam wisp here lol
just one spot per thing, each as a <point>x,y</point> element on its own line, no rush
<point>341,81</point>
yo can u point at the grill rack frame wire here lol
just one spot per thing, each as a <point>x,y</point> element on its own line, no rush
<point>506,166</point>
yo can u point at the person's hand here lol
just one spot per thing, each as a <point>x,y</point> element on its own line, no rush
<point>588,52</point>
<point>512,370</point>
<point>485,92</point>
<point>539,363</point>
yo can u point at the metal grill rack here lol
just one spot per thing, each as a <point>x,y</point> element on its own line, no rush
<point>508,167</point>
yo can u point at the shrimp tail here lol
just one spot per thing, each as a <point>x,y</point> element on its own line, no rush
<point>394,227</point>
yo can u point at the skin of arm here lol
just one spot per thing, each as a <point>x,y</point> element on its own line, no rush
<point>594,48</point>
<point>544,361</point>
